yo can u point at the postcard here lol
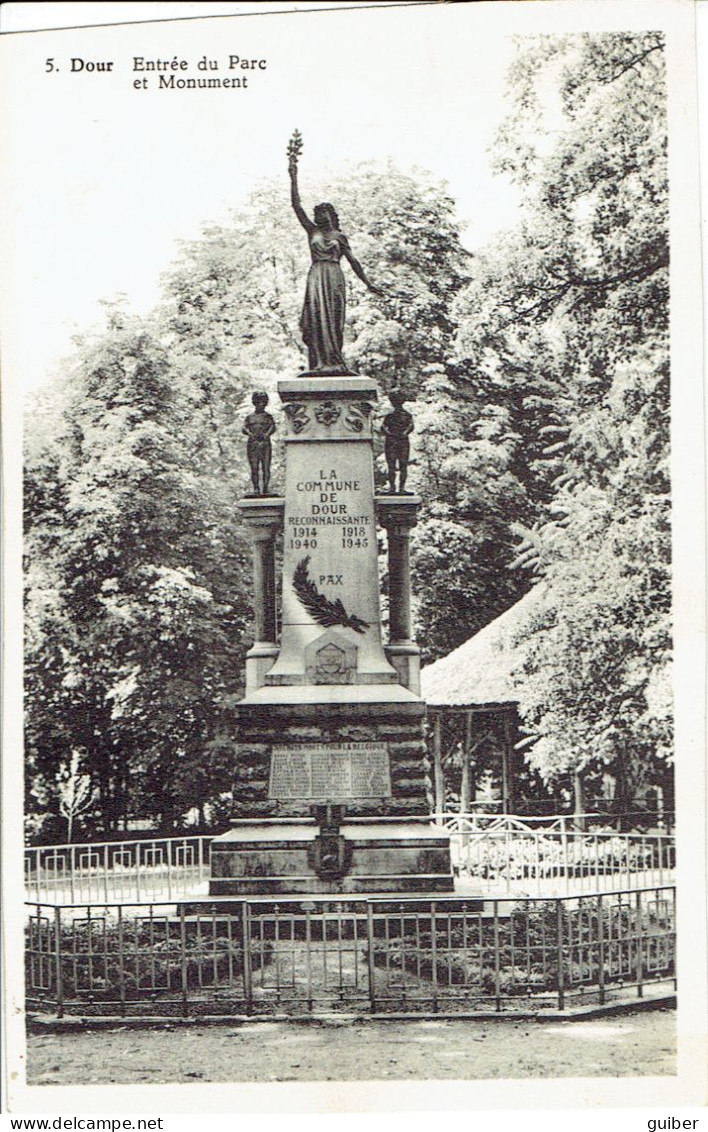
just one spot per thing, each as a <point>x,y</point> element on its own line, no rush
<point>354,566</point>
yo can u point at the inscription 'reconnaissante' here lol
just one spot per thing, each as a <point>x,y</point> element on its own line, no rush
<point>330,772</point>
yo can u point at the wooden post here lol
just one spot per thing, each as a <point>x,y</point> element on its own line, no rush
<point>505,768</point>
<point>439,781</point>
<point>465,790</point>
<point>465,786</point>
<point>508,773</point>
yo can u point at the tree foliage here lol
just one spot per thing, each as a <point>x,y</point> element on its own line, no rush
<point>136,594</point>
<point>568,316</point>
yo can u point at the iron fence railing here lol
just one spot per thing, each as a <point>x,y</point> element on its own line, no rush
<point>634,821</point>
<point>151,869</point>
<point>501,856</point>
<point>551,861</point>
<point>354,954</point>
<point>629,813</point>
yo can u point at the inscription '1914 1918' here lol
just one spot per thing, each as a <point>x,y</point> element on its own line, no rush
<point>325,507</point>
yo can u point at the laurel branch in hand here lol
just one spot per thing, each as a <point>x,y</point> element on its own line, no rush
<point>294,147</point>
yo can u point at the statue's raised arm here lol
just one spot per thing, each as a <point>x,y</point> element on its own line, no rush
<point>294,151</point>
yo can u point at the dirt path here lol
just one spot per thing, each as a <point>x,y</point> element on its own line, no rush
<point>636,1044</point>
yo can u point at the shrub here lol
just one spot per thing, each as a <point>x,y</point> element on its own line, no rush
<point>145,956</point>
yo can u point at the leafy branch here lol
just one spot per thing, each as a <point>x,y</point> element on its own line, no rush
<point>320,608</point>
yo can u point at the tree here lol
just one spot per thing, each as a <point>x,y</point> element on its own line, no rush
<point>464,546</point>
<point>136,594</point>
<point>568,317</point>
<point>74,791</point>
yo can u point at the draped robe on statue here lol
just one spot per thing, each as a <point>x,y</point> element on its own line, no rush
<point>322,319</point>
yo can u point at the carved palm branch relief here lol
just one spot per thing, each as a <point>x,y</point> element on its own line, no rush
<point>320,608</point>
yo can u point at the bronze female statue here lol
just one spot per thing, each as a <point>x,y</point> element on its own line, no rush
<point>322,319</point>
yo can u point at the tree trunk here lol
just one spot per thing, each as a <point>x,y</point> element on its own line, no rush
<point>578,802</point>
<point>506,788</point>
<point>623,821</point>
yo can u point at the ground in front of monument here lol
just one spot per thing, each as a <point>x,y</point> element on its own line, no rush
<point>639,1043</point>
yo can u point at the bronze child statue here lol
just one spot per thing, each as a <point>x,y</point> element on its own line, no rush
<point>397,427</point>
<point>259,426</point>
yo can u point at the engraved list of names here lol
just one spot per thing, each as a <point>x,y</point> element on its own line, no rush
<point>330,772</point>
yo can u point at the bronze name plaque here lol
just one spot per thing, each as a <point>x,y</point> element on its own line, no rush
<point>330,772</point>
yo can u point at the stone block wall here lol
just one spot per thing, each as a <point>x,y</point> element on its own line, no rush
<point>401,731</point>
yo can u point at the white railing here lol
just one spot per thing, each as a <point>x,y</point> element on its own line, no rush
<point>556,862</point>
<point>475,821</point>
<point>491,854</point>
<point>118,870</point>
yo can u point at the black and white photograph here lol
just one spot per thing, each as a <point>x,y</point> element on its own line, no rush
<point>354,596</point>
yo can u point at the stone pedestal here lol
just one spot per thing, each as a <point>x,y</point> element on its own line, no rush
<point>268,727</point>
<point>280,858</point>
<point>331,788</point>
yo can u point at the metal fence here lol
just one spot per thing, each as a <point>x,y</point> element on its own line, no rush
<point>497,856</point>
<point>633,821</point>
<point>355,954</point>
<point>633,813</point>
<point>555,862</point>
<point>151,869</point>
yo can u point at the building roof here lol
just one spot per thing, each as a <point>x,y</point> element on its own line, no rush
<point>479,672</point>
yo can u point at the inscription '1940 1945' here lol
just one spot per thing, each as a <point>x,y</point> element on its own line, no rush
<point>323,506</point>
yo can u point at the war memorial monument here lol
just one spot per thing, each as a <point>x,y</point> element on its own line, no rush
<point>331,790</point>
